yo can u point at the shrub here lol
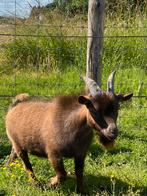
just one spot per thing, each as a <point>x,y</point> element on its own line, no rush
<point>113,7</point>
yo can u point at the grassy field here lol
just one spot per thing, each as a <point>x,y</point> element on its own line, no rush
<point>121,171</point>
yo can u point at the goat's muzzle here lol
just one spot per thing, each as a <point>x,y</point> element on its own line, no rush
<point>111,132</point>
<point>106,126</point>
<point>108,136</point>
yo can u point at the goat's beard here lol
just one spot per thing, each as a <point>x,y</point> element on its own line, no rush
<point>105,140</point>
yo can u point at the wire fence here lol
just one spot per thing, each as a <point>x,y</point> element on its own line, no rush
<point>34,44</point>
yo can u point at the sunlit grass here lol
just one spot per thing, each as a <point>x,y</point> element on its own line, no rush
<point>121,171</point>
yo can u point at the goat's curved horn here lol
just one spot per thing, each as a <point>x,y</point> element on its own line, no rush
<point>110,82</point>
<point>92,86</point>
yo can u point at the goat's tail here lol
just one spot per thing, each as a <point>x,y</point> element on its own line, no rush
<point>20,98</point>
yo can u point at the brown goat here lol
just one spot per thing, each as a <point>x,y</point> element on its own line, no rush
<point>63,127</point>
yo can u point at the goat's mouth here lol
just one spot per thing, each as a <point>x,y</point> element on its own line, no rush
<point>107,143</point>
<point>107,134</point>
<point>110,135</point>
<point>107,139</point>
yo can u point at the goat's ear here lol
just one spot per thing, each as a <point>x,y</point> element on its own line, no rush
<point>126,97</point>
<point>85,101</point>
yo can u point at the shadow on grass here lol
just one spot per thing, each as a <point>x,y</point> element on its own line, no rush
<point>120,150</point>
<point>100,184</point>
<point>2,192</point>
<point>5,149</point>
<point>96,151</point>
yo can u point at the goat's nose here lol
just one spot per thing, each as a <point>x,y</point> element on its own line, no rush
<point>113,130</point>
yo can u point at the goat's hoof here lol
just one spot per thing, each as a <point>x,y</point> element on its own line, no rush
<point>36,183</point>
<point>39,185</point>
<point>54,181</point>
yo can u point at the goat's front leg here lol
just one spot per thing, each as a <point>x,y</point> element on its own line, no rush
<point>57,163</point>
<point>79,168</point>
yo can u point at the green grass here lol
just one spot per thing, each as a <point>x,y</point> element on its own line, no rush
<point>119,172</point>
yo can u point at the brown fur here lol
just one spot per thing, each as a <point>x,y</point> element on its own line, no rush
<point>60,128</point>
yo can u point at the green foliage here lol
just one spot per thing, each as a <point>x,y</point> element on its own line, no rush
<point>59,52</point>
<point>126,7</point>
<point>75,7</point>
<point>47,52</point>
<point>114,7</point>
<point>72,7</point>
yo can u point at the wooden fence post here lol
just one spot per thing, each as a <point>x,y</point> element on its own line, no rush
<point>95,39</point>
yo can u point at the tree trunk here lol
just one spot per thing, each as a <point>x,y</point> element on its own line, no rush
<point>95,39</point>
